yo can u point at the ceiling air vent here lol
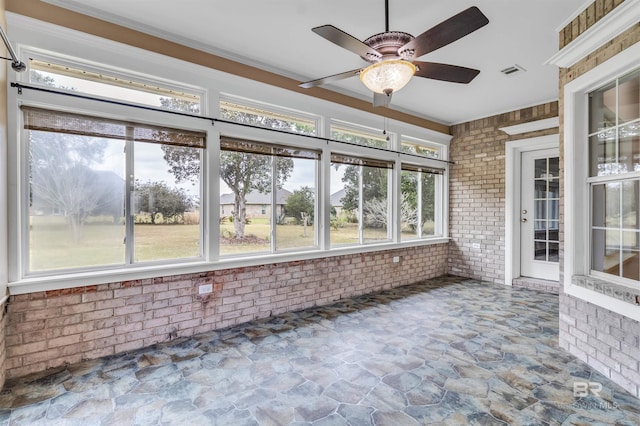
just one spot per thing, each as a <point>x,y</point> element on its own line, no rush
<point>512,69</point>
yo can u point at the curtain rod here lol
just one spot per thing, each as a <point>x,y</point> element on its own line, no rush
<point>16,63</point>
<point>214,120</point>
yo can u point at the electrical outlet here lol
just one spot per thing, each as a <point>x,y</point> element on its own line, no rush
<point>205,288</point>
<point>396,259</point>
<point>476,246</point>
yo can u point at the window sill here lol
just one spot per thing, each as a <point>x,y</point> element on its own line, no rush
<point>58,282</point>
<point>617,291</point>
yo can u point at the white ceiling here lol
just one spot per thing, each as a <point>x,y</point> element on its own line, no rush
<point>276,35</point>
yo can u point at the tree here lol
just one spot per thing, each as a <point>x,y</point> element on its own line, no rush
<point>244,173</point>
<point>301,205</point>
<point>374,185</point>
<point>62,177</point>
<point>158,198</point>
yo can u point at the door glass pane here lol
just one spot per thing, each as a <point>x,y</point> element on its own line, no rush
<point>540,209</point>
<point>165,212</point>
<point>76,204</point>
<point>554,250</point>
<point>540,168</point>
<point>554,167</point>
<point>540,189</point>
<point>540,250</point>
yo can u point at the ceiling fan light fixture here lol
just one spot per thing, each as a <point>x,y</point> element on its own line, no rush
<point>388,76</point>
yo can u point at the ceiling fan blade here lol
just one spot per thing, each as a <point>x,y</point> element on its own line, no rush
<point>329,79</point>
<point>444,33</point>
<point>445,72</point>
<point>381,99</point>
<point>346,41</point>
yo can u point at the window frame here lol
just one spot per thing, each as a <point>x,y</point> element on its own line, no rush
<point>264,95</point>
<point>578,281</point>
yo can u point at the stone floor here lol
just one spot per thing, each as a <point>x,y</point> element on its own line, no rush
<point>446,351</point>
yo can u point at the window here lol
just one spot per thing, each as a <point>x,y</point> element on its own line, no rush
<point>256,114</point>
<point>270,190</point>
<point>420,148</point>
<point>358,135</point>
<point>112,85</point>
<point>418,201</point>
<point>99,195</point>
<point>614,177</point>
<point>361,190</point>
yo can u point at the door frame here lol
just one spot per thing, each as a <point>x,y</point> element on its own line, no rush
<point>513,172</point>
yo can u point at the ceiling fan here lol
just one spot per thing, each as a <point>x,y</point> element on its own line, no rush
<point>392,53</point>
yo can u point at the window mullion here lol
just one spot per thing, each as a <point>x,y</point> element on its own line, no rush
<point>274,197</point>
<point>129,213</point>
<point>360,206</point>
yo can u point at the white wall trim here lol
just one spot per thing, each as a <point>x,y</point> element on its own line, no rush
<point>611,25</point>
<point>576,211</point>
<point>532,126</point>
<point>513,153</point>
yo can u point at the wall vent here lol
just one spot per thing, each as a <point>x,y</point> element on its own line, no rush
<point>512,69</point>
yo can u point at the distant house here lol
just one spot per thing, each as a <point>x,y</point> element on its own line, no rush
<point>336,201</point>
<point>258,204</point>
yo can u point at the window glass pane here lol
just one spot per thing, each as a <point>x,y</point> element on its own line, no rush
<point>375,204</point>
<point>165,210</point>
<point>629,97</point>
<point>112,86</point>
<point>630,200</point>
<point>629,138</point>
<point>359,137</point>
<point>420,149</point>
<point>602,108</point>
<point>630,255</point>
<point>345,201</point>
<point>428,204</point>
<point>245,186</point>
<point>602,154</point>
<point>409,217</point>
<point>296,205</point>
<point>266,117</point>
<point>76,201</point>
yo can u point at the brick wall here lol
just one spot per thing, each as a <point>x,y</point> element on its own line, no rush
<point>602,338</point>
<point>477,191</point>
<point>47,329</point>
<point>3,348</point>
<point>607,341</point>
<point>581,23</point>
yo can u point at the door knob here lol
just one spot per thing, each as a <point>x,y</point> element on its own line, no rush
<point>523,220</point>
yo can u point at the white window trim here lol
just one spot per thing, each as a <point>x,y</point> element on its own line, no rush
<point>69,44</point>
<point>576,192</point>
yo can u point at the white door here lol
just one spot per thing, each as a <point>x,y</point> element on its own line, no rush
<point>540,214</point>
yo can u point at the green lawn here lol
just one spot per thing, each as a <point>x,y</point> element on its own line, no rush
<point>102,243</point>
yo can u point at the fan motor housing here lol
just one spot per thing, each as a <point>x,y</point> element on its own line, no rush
<point>387,44</point>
